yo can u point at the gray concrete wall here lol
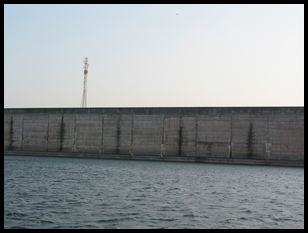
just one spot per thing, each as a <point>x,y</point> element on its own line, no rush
<point>266,133</point>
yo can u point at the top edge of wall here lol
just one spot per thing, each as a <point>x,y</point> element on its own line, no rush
<point>184,107</point>
<point>159,110</point>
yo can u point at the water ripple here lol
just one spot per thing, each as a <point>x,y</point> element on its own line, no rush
<point>81,193</point>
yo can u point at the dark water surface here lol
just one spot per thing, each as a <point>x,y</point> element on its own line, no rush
<point>90,193</point>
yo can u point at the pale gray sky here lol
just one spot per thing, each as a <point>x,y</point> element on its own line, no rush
<point>154,55</point>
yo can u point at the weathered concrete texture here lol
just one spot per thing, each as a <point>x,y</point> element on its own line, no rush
<point>256,133</point>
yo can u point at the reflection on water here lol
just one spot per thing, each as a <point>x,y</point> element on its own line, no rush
<point>89,193</point>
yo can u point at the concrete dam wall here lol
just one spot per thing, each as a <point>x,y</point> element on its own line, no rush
<point>208,134</point>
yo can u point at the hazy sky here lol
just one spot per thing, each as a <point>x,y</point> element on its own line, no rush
<point>154,55</point>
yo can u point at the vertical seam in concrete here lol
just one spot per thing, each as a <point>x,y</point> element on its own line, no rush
<point>102,139</point>
<point>132,135</point>
<point>267,151</point>
<point>22,132</point>
<point>288,135</point>
<point>163,138</point>
<point>118,134</point>
<point>196,134</point>
<point>74,135</point>
<point>11,132</point>
<point>180,136</point>
<point>231,135</point>
<point>250,138</point>
<point>61,132</point>
<point>47,136</point>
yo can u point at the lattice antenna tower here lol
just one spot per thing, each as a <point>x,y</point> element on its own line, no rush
<point>84,94</point>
